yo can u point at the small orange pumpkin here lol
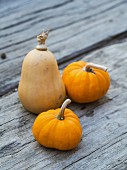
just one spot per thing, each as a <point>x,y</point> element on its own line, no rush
<point>86,82</point>
<point>59,129</point>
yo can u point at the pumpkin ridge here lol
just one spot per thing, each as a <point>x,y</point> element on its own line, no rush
<point>107,80</point>
<point>73,81</point>
<point>71,71</point>
<point>78,129</point>
<point>82,81</point>
<point>67,131</point>
<point>55,134</point>
<point>94,88</point>
<point>39,125</point>
<point>88,85</point>
<point>75,124</point>
<point>52,127</point>
<point>68,73</point>
<point>71,115</point>
<point>74,64</point>
<point>58,137</point>
<point>100,94</point>
<point>101,72</point>
<point>47,125</point>
<point>73,67</point>
<point>99,85</point>
<point>80,85</point>
<point>45,117</point>
<point>106,83</point>
<point>68,135</point>
<point>81,63</point>
<point>73,130</point>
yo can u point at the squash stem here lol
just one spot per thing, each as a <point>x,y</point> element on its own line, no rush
<point>41,41</point>
<point>63,107</point>
<point>88,65</point>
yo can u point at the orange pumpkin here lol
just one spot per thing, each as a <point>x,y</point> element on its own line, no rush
<point>59,129</point>
<point>85,82</point>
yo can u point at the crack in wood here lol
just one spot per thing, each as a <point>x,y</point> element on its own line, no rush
<point>42,9</point>
<point>55,28</point>
<point>101,148</point>
<point>51,7</point>
<point>42,160</point>
<point>11,146</point>
<point>16,118</point>
<point>77,55</point>
<point>122,162</point>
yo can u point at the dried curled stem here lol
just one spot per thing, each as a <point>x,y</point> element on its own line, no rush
<point>89,65</point>
<point>41,38</point>
<point>63,107</point>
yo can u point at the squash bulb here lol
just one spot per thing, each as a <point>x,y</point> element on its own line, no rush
<point>41,88</point>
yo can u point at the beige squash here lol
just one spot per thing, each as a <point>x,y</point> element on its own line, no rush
<point>41,87</point>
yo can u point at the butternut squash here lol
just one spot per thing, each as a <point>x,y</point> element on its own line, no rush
<point>41,87</point>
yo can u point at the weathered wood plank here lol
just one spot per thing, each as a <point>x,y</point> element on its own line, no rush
<point>104,144</point>
<point>77,55</point>
<point>69,21</point>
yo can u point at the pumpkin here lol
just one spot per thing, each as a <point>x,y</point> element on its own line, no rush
<point>41,88</point>
<point>59,129</point>
<point>85,82</point>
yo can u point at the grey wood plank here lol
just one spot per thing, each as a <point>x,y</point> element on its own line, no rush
<point>75,25</point>
<point>59,15</point>
<point>14,7</point>
<point>77,55</point>
<point>104,142</point>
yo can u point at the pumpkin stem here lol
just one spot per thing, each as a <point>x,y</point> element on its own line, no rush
<point>63,107</point>
<point>88,65</point>
<point>41,38</point>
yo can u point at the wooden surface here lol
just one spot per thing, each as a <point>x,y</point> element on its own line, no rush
<point>77,27</point>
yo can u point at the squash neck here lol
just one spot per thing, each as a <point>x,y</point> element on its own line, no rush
<point>41,47</point>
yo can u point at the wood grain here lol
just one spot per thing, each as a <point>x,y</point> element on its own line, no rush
<point>75,25</point>
<point>104,142</point>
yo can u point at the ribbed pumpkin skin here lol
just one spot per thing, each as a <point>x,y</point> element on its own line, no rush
<point>59,134</point>
<point>82,86</point>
